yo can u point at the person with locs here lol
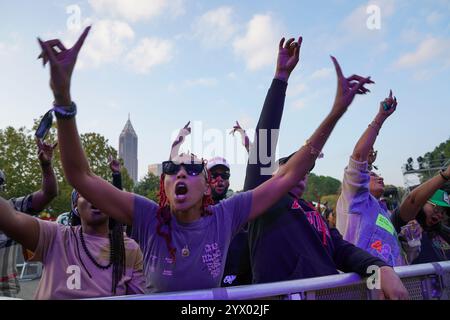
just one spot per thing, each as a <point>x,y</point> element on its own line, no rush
<point>428,204</point>
<point>89,258</point>
<point>30,204</point>
<point>292,240</point>
<point>361,217</point>
<point>184,238</point>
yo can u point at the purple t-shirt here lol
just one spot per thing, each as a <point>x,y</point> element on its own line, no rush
<point>206,239</point>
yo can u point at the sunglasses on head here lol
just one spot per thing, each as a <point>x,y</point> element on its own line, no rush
<point>224,175</point>
<point>193,169</point>
<point>44,126</point>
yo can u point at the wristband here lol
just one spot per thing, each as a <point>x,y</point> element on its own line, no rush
<point>62,112</point>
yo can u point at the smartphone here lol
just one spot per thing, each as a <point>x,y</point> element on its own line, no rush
<point>44,126</point>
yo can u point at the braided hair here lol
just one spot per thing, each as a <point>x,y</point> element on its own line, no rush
<point>164,216</point>
<point>118,255</point>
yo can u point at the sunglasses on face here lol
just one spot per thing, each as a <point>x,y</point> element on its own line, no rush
<point>193,169</point>
<point>44,126</point>
<point>224,175</point>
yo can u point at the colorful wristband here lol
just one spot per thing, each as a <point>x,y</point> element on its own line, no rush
<point>62,112</point>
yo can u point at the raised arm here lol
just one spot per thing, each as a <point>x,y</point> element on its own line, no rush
<point>271,113</point>
<point>49,187</point>
<point>18,226</point>
<point>110,200</point>
<point>114,165</point>
<point>411,206</point>
<point>365,143</point>
<point>298,166</point>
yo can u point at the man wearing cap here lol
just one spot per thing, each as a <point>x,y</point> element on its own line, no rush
<point>429,204</point>
<point>220,175</point>
<point>31,204</point>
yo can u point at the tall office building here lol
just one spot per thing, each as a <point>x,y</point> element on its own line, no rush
<point>128,142</point>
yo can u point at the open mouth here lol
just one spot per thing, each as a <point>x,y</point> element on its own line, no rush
<point>434,220</point>
<point>94,210</point>
<point>181,190</point>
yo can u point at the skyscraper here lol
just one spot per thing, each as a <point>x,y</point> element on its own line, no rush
<point>128,141</point>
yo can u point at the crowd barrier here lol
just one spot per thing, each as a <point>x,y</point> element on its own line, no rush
<point>429,281</point>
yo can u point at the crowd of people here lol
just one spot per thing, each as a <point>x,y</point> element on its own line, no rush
<point>199,235</point>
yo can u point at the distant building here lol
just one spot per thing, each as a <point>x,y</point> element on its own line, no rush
<point>128,148</point>
<point>155,169</point>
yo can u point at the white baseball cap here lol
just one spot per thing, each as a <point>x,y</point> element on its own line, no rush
<point>217,161</point>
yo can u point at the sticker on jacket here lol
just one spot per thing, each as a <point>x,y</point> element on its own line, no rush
<point>385,224</point>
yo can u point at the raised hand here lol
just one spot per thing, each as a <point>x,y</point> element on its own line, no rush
<point>288,57</point>
<point>62,63</point>
<point>348,88</point>
<point>45,152</point>
<point>388,105</point>
<point>114,164</point>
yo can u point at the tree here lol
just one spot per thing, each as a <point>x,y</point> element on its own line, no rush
<point>18,159</point>
<point>148,187</point>
<point>319,186</point>
<point>432,161</point>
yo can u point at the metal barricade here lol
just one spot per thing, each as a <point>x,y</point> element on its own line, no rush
<point>429,281</point>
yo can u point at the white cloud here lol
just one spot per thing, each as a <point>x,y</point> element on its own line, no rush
<point>322,74</point>
<point>201,82</point>
<point>215,27</point>
<point>299,104</point>
<point>434,17</point>
<point>258,47</point>
<point>246,122</point>
<point>137,10</point>
<point>11,46</point>
<point>431,49</point>
<point>296,89</point>
<point>232,75</point>
<point>106,43</point>
<point>149,53</point>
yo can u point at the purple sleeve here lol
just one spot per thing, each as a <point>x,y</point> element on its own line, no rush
<point>237,209</point>
<point>144,217</point>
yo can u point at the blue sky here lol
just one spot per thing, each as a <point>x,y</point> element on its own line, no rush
<point>167,62</point>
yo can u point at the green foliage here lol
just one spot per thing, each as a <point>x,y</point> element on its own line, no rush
<point>432,161</point>
<point>319,186</point>
<point>18,159</point>
<point>330,200</point>
<point>148,187</point>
